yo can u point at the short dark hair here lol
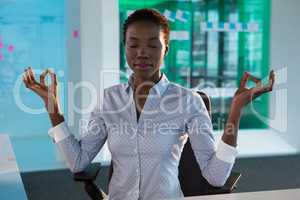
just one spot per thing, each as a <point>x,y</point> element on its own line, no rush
<point>149,15</point>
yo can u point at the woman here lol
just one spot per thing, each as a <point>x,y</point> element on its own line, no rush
<point>147,121</point>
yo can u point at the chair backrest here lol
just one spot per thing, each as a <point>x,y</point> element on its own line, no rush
<point>191,180</point>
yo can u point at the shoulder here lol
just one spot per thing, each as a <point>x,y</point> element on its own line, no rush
<point>114,91</point>
<point>189,98</point>
<point>183,92</point>
<point>114,96</point>
<point>116,88</point>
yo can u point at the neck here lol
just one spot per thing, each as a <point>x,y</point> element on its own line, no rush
<point>142,85</point>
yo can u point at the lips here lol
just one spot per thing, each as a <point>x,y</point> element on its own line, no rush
<point>143,66</point>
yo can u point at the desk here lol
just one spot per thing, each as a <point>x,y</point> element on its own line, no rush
<point>291,194</point>
<point>11,185</point>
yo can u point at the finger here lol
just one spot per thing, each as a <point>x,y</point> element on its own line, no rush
<point>268,87</point>
<point>31,74</point>
<point>25,81</point>
<point>254,79</point>
<point>271,80</point>
<point>244,80</point>
<point>260,91</point>
<point>53,78</point>
<point>27,76</point>
<point>42,77</point>
<point>257,81</point>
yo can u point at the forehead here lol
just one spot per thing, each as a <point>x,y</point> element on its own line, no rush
<point>143,30</point>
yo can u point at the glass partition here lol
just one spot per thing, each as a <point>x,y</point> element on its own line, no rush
<point>32,33</point>
<point>212,43</point>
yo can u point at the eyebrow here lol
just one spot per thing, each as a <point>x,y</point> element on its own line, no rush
<point>150,39</point>
<point>154,38</point>
<point>133,38</point>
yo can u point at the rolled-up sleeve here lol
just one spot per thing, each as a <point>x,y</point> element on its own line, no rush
<point>59,132</point>
<point>226,152</point>
<point>215,161</point>
<point>78,153</point>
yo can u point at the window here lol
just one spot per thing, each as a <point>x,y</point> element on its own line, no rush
<point>212,43</point>
<point>32,33</point>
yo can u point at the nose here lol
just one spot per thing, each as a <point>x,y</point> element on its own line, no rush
<point>142,53</point>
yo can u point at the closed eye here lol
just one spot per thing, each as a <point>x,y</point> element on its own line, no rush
<point>152,46</point>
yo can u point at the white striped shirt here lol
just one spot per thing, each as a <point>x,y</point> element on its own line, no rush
<point>146,153</point>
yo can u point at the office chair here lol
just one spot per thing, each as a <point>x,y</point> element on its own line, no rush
<point>191,180</point>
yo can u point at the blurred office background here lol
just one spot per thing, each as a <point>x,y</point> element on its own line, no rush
<point>212,43</point>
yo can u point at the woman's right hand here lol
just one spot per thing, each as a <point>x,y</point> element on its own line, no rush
<point>47,93</point>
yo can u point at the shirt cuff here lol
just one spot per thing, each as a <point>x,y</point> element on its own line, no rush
<point>59,132</point>
<point>226,152</point>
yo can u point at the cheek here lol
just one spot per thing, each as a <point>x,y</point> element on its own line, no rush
<point>159,56</point>
<point>129,55</point>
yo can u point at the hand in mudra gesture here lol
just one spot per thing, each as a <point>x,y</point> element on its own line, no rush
<point>245,95</point>
<point>47,92</point>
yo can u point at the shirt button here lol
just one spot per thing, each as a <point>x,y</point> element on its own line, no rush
<point>135,150</point>
<point>136,193</point>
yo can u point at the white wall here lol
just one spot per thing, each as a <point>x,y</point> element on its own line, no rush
<point>73,60</point>
<point>92,59</point>
<point>285,52</point>
<point>91,54</point>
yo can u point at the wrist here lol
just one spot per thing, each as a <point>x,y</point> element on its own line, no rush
<point>235,112</point>
<point>236,105</point>
<point>56,118</point>
<point>52,107</point>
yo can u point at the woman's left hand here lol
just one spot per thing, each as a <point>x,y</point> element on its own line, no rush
<point>245,95</point>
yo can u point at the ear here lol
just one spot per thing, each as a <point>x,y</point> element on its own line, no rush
<point>167,50</point>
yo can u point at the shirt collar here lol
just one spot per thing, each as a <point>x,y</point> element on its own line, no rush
<point>159,88</point>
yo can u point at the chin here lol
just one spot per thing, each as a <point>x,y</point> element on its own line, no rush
<point>144,74</point>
